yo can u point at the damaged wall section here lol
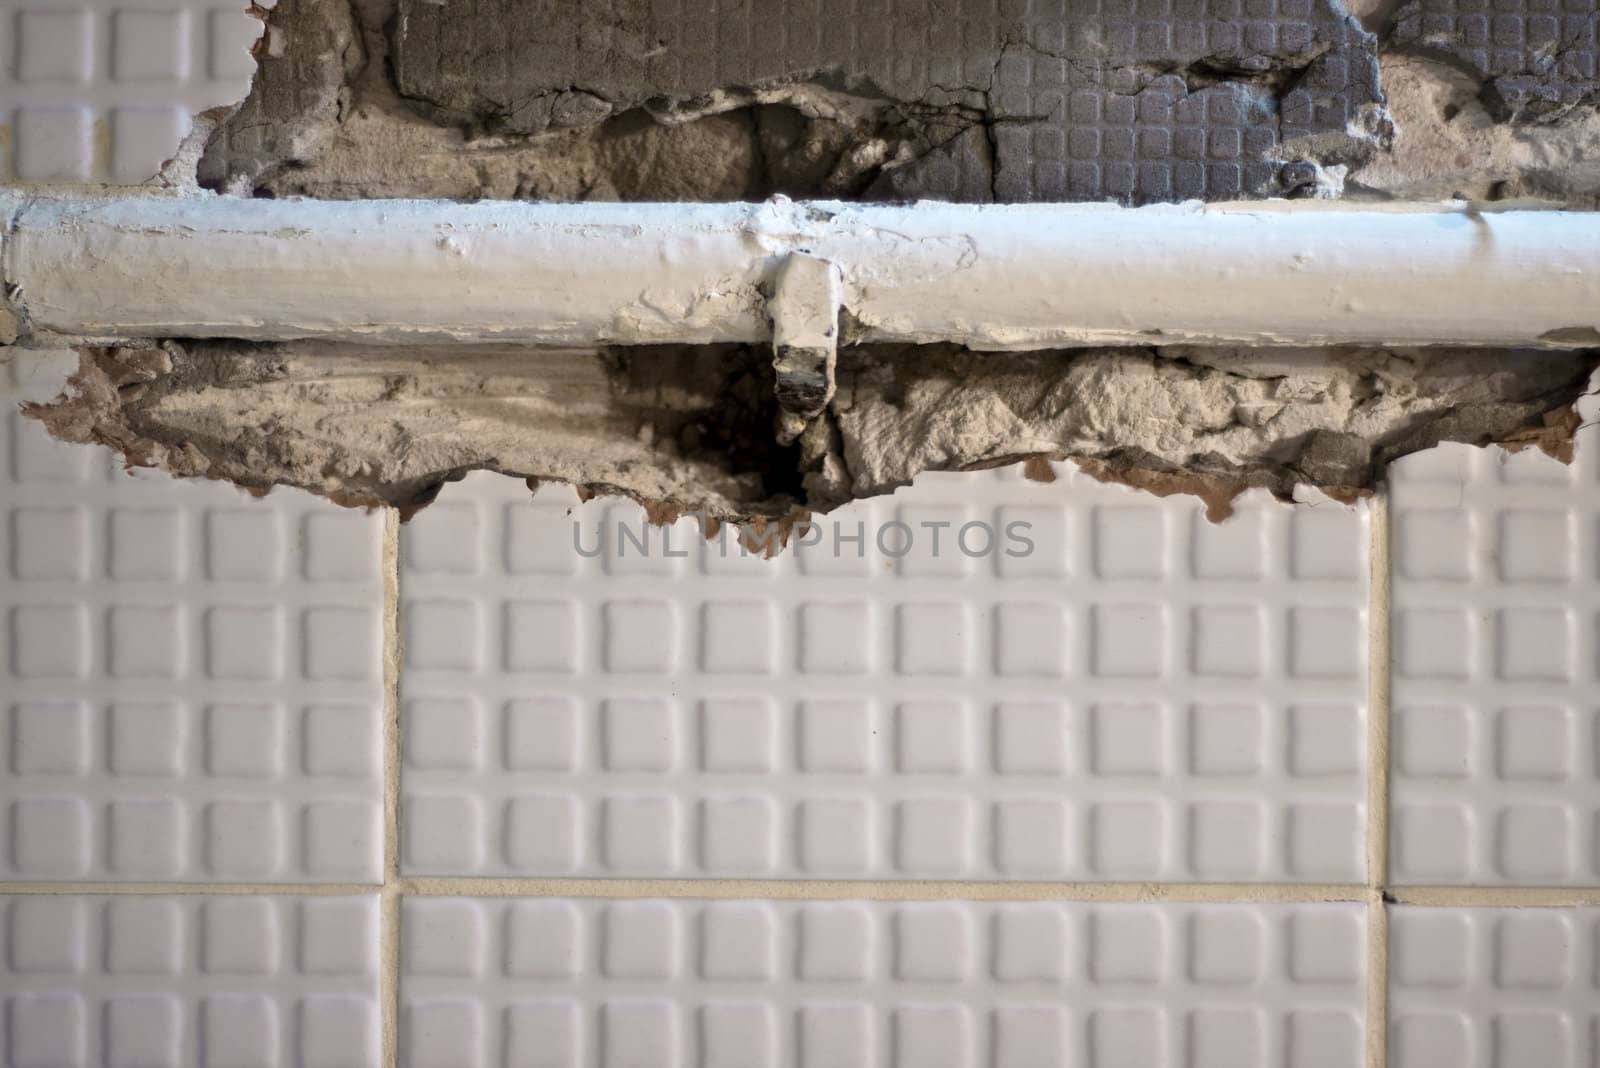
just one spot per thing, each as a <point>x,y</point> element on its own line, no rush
<point>1128,100</point>
<point>1491,102</point>
<point>1536,61</point>
<point>692,428</point>
<point>1080,100</point>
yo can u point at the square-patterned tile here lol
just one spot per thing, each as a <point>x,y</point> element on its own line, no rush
<point>1496,752</point>
<point>192,680</point>
<point>562,983</point>
<point>1493,987</point>
<point>1180,701</point>
<point>105,90</point>
<point>132,979</point>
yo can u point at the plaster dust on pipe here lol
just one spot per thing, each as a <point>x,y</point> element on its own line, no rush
<point>988,277</point>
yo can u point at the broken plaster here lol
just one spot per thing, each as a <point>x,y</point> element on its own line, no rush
<point>353,117</point>
<point>1535,63</point>
<point>585,103</point>
<point>332,113</point>
<point>1448,145</point>
<point>691,428</point>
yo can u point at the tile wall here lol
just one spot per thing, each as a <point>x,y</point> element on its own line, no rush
<point>105,90</point>
<point>524,783</point>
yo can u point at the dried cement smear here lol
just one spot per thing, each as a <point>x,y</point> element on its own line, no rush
<point>693,428</point>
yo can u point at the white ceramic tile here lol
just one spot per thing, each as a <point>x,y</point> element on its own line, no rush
<point>1145,695</point>
<point>191,685</point>
<point>137,981</point>
<point>1494,987</point>
<point>1496,589</point>
<point>104,90</point>
<point>760,984</point>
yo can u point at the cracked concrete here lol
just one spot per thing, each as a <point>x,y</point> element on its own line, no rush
<point>1449,146</point>
<point>307,51</point>
<point>374,143</point>
<point>693,428</point>
<point>1078,100</point>
<point>1535,62</point>
<point>1208,99</point>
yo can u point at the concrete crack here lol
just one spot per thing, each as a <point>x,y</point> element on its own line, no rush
<point>460,99</point>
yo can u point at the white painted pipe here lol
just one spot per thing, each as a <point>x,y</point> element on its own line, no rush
<point>992,277</point>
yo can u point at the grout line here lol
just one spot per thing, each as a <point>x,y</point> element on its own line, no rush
<point>1378,692</point>
<point>391,696</point>
<point>1377,980</point>
<point>396,887</point>
<point>279,889</point>
<point>389,899</point>
<point>1516,897</point>
<point>1380,588</point>
<point>389,971</point>
<point>883,890</point>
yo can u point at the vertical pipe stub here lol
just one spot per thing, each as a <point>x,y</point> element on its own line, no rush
<point>804,306</point>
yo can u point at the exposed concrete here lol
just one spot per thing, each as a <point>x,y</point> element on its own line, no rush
<point>306,54</point>
<point>1376,15</point>
<point>371,427</point>
<point>1210,422</point>
<point>1490,102</point>
<point>462,98</point>
<point>694,428</point>
<point>1448,145</point>
<point>1535,62</point>
<point>376,145</point>
<point>997,111</point>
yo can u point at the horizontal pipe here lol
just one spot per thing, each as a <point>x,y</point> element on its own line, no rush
<point>990,277</point>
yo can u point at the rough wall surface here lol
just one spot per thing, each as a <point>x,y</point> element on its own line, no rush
<point>1127,100</point>
<point>1132,101</point>
<point>691,428</point>
<point>1076,100</point>
<point>306,53</point>
<point>1534,58</point>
